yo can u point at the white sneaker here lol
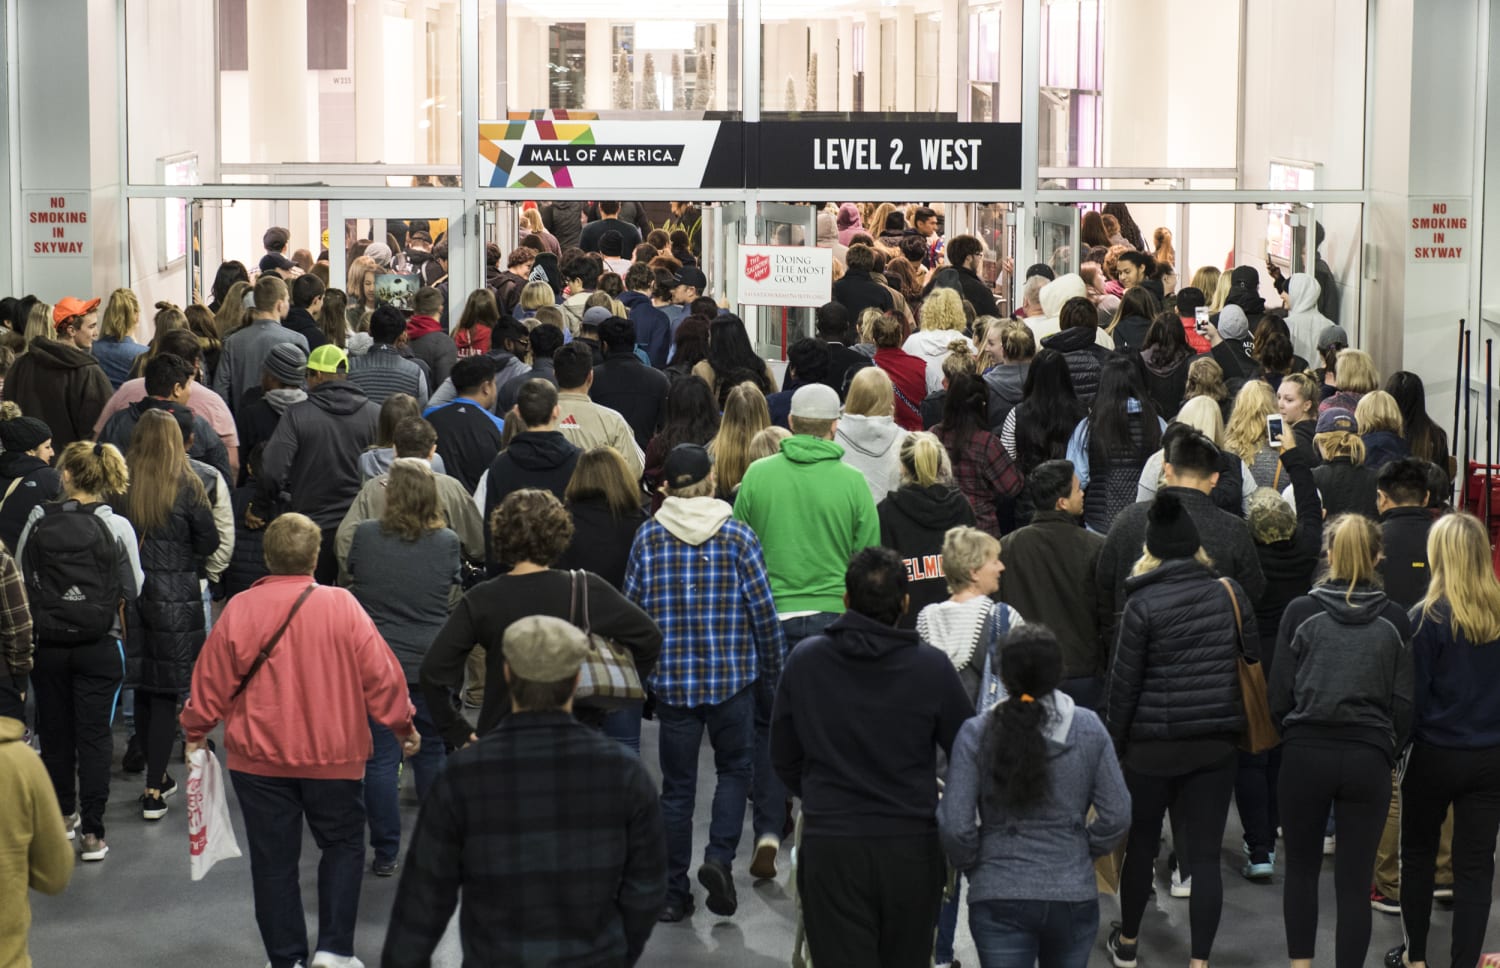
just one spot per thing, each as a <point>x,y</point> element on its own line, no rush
<point>324,959</point>
<point>1328,845</point>
<point>70,824</point>
<point>1181,886</point>
<point>763,863</point>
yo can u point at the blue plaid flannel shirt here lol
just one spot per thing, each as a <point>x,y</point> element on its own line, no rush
<point>713,603</point>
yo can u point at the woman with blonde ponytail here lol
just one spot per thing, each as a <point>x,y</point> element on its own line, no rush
<point>1455,741</point>
<point>75,588</point>
<point>114,349</point>
<point>1341,693</point>
<point>915,517</point>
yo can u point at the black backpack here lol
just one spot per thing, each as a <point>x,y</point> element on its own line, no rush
<point>72,575</point>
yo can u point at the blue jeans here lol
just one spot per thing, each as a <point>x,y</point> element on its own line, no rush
<point>731,733</point>
<point>624,726</point>
<point>948,923</point>
<point>383,775</point>
<point>1047,934</point>
<point>768,793</point>
<point>273,808</point>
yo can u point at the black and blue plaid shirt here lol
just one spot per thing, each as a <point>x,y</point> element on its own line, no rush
<point>554,834</point>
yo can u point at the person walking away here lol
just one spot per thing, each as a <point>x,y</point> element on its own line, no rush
<point>870,871</point>
<point>1341,693</point>
<point>114,349</point>
<point>1455,740</point>
<point>586,423</point>
<point>540,456</point>
<point>1049,577</point>
<point>714,648</point>
<point>26,475</point>
<point>624,384</point>
<point>382,371</point>
<point>295,671</point>
<point>1034,794</point>
<point>984,471</point>
<point>469,434</point>
<point>79,562</point>
<point>427,338</point>
<point>57,380</point>
<point>868,432</point>
<point>16,646</point>
<point>245,350</point>
<point>916,516</point>
<point>33,838</point>
<point>1174,709</point>
<point>811,512</point>
<point>281,379</point>
<point>534,529</point>
<point>403,569</point>
<point>581,907</point>
<point>1110,446</point>
<point>169,507</point>
<point>314,453</point>
<point>307,306</point>
<point>1344,482</point>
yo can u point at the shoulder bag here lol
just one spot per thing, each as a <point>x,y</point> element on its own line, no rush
<point>265,653</point>
<point>991,689</point>
<point>1260,730</point>
<point>608,678</point>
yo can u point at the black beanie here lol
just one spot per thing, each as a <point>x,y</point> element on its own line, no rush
<point>1170,533</point>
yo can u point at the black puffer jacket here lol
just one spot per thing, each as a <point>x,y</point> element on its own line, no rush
<point>1175,672</point>
<point>1346,487</point>
<point>169,630</point>
<point>1085,358</point>
<point>35,483</point>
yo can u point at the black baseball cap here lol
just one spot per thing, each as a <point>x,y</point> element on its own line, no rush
<point>690,276</point>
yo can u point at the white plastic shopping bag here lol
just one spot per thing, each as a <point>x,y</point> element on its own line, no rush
<point>210,835</point>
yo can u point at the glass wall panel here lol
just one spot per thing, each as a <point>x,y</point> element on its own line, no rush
<point>585,55</point>
<point>956,60</point>
<point>1159,85</point>
<point>291,82</point>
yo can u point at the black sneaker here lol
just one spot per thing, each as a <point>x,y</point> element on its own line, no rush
<point>676,909</point>
<point>1383,904</point>
<point>384,868</point>
<point>1123,955</point>
<point>168,786</point>
<point>134,760</point>
<point>152,807</point>
<point>716,879</point>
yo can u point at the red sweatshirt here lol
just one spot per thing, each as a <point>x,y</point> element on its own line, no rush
<point>908,374</point>
<point>419,326</point>
<point>304,713</point>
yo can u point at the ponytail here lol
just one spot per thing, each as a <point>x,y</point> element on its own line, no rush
<point>924,460</point>
<point>1014,744</point>
<point>97,469</point>
<point>1352,544</point>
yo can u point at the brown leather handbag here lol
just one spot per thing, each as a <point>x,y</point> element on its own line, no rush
<point>1260,733</point>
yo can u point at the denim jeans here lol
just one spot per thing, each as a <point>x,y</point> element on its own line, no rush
<point>948,923</point>
<point>731,733</point>
<point>273,808</point>
<point>1047,934</point>
<point>383,775</point>
<point>768,793</point>
<point>624,726</point>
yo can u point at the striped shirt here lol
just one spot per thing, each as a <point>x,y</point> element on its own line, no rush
<point>383,372</point>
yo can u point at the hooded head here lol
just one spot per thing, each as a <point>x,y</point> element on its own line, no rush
<point>1244,291</point>
<point>1059,291</point>
<point>1170,532</point>
<point>849,216</point>
<point>1304,290</point>
<point>1270,518</point>
<point>1233,323</point>
<point>828,230</point>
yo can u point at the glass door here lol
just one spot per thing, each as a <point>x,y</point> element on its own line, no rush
<point>777,327</point>
<point>359,225</point>
<point>1056,235</point>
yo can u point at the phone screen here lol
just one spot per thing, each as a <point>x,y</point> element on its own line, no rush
<point>1201,325</point>
<point>1274,428</point>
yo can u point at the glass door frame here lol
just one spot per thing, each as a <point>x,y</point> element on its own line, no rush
<point>465,260</point>
<point>770,217</point>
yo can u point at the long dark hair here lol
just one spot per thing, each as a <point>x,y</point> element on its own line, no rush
<point>1048,411</point>
<point>692,414</point>
<point>1426,439</point>
<point>228,274</point>
<point>966,408</point>
<point>1013,745</point>
<point>1109,425</point>
<point>1170,339</point>
<point>1092,230</point>
<point>690,342</point>
<point>732,358</point>
<point>1128,228</point>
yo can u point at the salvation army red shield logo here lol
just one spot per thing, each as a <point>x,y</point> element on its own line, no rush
<point>757,268</point>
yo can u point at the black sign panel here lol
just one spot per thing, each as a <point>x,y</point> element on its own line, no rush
<point>885,155</point>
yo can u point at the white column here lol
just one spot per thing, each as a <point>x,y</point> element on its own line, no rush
<point>369,79</point>
<point>845,66</point>
<point>598,59</point>
<point>906,58</point>
<point>950,56</point>
<point>449,138</point>
<point>825,45</point>
<point>425,140</point>
<point>873,67</point>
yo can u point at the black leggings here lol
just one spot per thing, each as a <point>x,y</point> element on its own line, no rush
<point>1200,803</point>
<point>1354,780</point>
<point>1470,781</point>
<point>155,729</point>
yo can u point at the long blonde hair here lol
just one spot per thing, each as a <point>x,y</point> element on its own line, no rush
<point>745,415</point>
<point>1352,543</point>
<point>411,500</point>
<point>1221,293</point>
<point>232,314</point>
<point>1206,281</point>
<point>158,464</point>
<point>1149,562</point>
<point>1204,416</point>
<point>121,314</point>
<point>1463,576</point>
<point>871,394</point>
<point>1246,433</point>
<point>924,460</point>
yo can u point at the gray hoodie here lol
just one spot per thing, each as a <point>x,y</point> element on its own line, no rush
<point>1044,852</point>
<point>872,446</point>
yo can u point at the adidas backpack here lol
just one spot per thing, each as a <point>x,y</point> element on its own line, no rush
<point>71,574</point>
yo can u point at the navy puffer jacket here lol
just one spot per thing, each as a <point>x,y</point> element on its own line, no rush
<point>168,629</point>
<point>1175,672</point>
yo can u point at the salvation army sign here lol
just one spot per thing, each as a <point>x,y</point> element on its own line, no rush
<point>785,275</point>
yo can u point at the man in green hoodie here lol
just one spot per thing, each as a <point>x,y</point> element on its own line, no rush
<point>812,512</point>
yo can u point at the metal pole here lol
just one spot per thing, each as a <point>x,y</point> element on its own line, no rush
<point>1489,427</point>
<point>1468,408</point>
<point>1458,396</point>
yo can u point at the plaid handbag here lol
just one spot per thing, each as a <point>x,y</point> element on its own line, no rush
<point>608,678</point>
